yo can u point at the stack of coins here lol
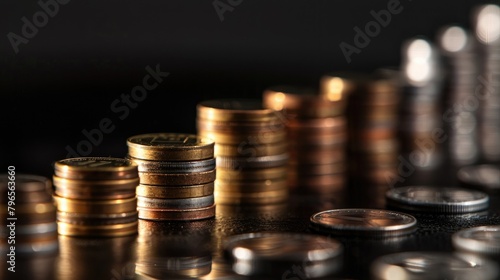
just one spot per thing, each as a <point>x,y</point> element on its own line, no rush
<point>28,215</point>
<point>373,144</point>
<point>250,150</point>
<point>486,20</point>
<point>95,196</point>
<point>459,50</point>
<point>421,118</point>
<point>317,134</point>
<point>277,254</point>
<point>177,173</point>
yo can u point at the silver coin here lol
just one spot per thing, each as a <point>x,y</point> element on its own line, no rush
<point>175,203</point>
<point>437,199</point>
<point>484,176</point>
<point>174,166</point>
<point>433,265</point>
<point>273,253</point>
<point>363,222</point>
<point>483,239</point>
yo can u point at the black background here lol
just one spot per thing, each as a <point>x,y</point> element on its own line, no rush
<point>66,77</point>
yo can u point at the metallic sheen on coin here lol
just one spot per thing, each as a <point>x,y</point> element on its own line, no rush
<point>437,199</point>
<point>363,222</point>
<point>433,265</point>
<point>481,240</point>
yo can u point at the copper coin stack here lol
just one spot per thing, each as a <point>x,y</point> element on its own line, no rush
<point>95,196</point>
<point>28,214</point>
<point>250,150</point>
<point>317,135</point>
<point>373,122</point>
<point>177,174</point>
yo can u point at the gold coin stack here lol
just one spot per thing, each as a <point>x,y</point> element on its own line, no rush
<point>95,196</point>
<point>317,135</point>
<point>28,215</point>
<point>373,116</point>
<point>250,150</point>
<point>177,174</point>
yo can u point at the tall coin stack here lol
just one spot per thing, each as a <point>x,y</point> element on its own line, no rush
<point>317,134</point>
<point>250,150</point>
<point>486,21</point>
<point>177,173</point>
<point>28,210</point>
<point>373,144</point>
<point>460,117</point>
<point>421,117</point>
<point>95,196</point>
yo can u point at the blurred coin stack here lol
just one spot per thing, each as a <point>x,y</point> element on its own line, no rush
<point>486,21</point>
<point>317,134</point>
<point>28,215</point>
<point>250,150</point>
<point>95,196</point>
<point>373,120</point>
<point>458,48</point>
<point>177,173</point>
<point>421,124</point>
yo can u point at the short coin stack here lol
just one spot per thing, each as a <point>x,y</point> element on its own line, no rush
<point>317,134</point>
<point>250,150</point>
<point>28,210</point>
<point>95,196</point>
<point>177,173</point>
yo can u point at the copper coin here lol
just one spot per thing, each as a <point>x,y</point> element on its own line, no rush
<point>251,174</point>
<point>266,197</point>
<point>96,219</point>
<point>95,168</point>
<point>239,127</point>
<point>177,179</point>
<point>170,147</point>
<point>175,191</point>
<point>96,207</point>
<point>222,186</point>
<point>263,138</point>
<point>319,125</point>
<point>100,230</point>
<point>249,149</point>
<point>245,110</point>
<point>176,214</point>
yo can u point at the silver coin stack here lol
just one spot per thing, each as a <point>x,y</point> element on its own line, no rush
<point>420,106</point>
<point>486,21</point>
<point>458,48</point>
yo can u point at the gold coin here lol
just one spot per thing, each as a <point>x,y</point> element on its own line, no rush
<point>268,137</point>
<point>170,147</point>
<point>102,185</point>
<point>251,174</point>
<point>246,110</point>
<point>251,198</point>
<point>176,214</point>
<point>222,186</point>
<point>95,207</point>
<point>95,168</point>
<point>102,230</point>
<point>96,219</point>
<point>175,191</point>
<point>177,179</point>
